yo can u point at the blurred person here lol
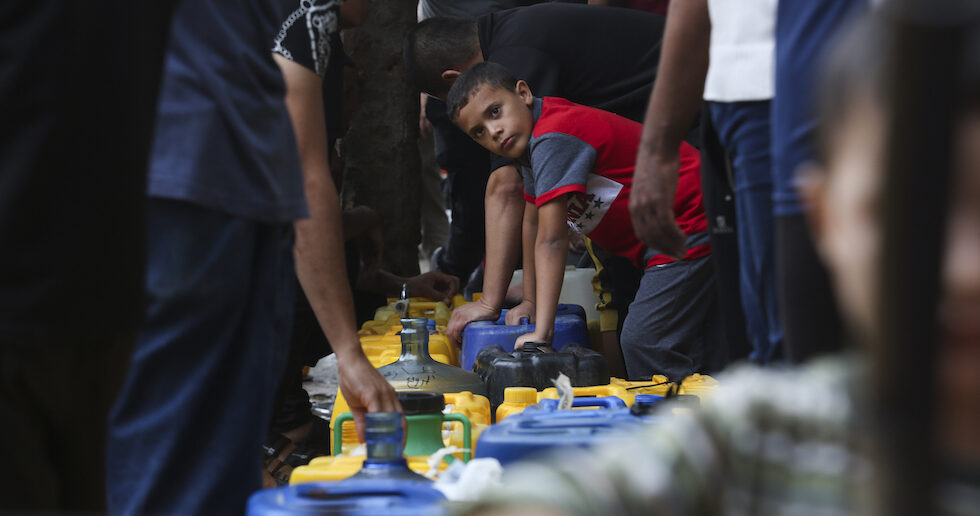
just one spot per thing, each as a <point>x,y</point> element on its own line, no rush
<point>78,91</point>
<point>888,431</point>
<point>227,191</point>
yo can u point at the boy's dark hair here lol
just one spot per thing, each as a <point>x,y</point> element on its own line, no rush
<point>480,74</point>
<point>438,44</point>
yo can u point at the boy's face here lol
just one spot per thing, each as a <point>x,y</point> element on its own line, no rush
<point>498,119</point>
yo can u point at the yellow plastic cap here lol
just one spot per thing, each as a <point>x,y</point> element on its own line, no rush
<point>528,395</point>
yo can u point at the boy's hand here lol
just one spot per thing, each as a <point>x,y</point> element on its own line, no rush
<point>525,309</point>
<point>476,311</point>
<point>534,336</point>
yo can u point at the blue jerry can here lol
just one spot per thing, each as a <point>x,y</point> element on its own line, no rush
<point>570,328</point>
<point>542,427</point>
<point>352,497</point>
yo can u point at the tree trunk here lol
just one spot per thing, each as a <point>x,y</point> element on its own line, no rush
<point>381,157</point>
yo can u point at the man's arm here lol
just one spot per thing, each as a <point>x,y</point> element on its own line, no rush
<point>550,253</point>
<point>319,250</point>
<point>673,105</point>
<point>504,205</point>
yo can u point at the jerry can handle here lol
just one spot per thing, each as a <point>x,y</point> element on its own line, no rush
<point>605,401</point>
<point>338,434</point>
<point>467,433</point>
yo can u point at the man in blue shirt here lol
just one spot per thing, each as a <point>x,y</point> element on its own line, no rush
<point>225,188</point>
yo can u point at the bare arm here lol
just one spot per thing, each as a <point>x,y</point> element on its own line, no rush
<point>550,252</point>
<point>673,105</point>
<point>529,287</point>
<point>319,249</point>
<point>504,204</point>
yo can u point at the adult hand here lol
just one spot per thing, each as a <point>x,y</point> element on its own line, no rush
<point>364,388</point>
<point>433,285</point>
<point>652,203</point>
<point>525,309</point>
<point>476,311</point>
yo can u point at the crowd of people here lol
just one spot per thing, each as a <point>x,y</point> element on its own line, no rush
<point>792,185</point>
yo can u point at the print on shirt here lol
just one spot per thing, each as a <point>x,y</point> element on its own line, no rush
<point>321,23</point>
<point>586,210</point>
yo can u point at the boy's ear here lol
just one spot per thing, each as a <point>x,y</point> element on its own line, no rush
<point>450,76</point>
<point>524,91</point>
<point>811,183</point>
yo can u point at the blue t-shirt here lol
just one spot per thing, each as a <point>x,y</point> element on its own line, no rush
<point>223,137</point>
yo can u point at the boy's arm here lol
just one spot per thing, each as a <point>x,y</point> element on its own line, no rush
<point>673,105</point>
<point>550,252</point>
<point>528,241</point>
<point>504,206</point>
<point>319,249</point>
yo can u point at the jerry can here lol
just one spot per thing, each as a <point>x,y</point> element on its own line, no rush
<point>570,330</point>
<point>542,427</point>
<point>700,385</point>
<point>516,399</point>
<point>476,408</point>
<point>537,366</point>
<point>331,468</point>
<point>354,498</point>
<point>657,384</point>
<point>597,391</point>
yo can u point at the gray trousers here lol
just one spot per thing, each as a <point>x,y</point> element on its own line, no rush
<point>674,322</point>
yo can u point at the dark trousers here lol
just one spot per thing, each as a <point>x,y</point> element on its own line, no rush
<point>185,434</point>
<point>674,322</point>
<point>743,128</point>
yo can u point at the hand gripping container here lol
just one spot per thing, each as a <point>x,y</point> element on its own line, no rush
<point>354,498</point>
<point>542,427</point>
<point>570,329</point>
<point>537,366</point>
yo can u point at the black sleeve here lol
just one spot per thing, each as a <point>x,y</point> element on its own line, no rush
<point>305,35</point>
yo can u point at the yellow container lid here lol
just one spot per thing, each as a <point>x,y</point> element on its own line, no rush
<point>523,395</point>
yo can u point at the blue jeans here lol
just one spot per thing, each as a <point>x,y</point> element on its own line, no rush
<point>185,433</point>
<point>743,129</point>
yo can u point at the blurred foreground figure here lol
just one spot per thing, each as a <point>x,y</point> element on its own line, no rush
<point>886,430</point>
<point>78,89</point>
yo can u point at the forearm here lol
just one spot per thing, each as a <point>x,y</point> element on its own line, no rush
<point>319,248</point>
<point>679,87</point>
<point>529,240</point>
<point>504,203</point>
<point>550,252</point>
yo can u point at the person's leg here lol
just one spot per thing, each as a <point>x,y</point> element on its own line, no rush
<point>435,224</point>
<point>184,435</point>
<point>717,192</point>
<point>743,128</point>
<point>673,322</point>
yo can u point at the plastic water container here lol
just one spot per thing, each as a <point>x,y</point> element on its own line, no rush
<point>383,438</point>
<point>354,498</point>
<point>599,391</point>
<point>516,399</point>
<point>415,369</point>
<point>537,366</point>
<point>542,427</point>
<point>576,288</point>
<point>570,330</point>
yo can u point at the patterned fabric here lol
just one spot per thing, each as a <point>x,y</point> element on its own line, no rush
<point>305,35</point>
<point>592,153</point>
<point>770,442</point>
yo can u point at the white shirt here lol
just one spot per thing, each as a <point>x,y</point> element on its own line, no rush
<point>743,50</point>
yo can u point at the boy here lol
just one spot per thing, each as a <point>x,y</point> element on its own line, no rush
<point>577,166</point>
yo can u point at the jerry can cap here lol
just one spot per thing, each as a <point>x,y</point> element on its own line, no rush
<point>521,395</point>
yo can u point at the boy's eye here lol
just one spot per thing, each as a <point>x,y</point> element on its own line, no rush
<point>495,111</point>
<point>477,133</point>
